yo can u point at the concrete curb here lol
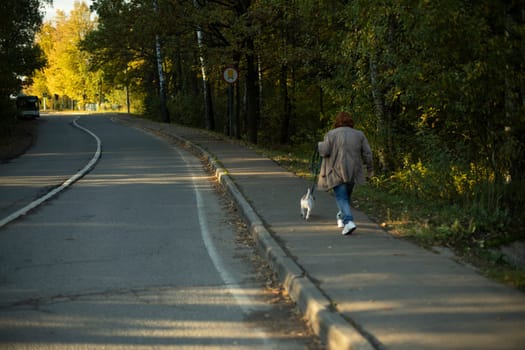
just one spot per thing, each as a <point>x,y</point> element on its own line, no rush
<point>335,331</point>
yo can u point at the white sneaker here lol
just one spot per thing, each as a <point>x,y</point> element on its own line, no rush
<point>339,217</point>
<point>349,228</point>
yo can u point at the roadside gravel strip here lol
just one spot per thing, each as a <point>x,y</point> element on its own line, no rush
<point>63,186</point>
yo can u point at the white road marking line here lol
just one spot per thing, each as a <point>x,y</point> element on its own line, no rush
<point>63,186</point>
<point>242,298</point>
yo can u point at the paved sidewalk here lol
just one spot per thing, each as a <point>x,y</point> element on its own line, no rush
<point>364,291</point>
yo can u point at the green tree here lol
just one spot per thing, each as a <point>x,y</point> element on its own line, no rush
<point>296,54</point>
<point>124,47</point>
<point>19,56</point>
<point>67,73</point>
<point>440,83</point>
<point>231,28</point>
<point>114,48</point>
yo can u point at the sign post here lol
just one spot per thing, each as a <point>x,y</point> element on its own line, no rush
<point>230,75</point>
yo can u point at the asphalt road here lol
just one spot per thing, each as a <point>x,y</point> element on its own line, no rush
<point>140,253</point>
<point>58,152</point>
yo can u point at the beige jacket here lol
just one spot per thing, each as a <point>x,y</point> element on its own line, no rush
<point>343,150</point>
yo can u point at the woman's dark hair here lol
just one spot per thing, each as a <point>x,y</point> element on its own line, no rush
<point>343,119</point>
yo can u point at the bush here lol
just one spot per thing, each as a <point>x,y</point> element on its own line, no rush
<point>186,109</point>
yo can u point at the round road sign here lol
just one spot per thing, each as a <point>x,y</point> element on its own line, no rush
<point>230,75</point>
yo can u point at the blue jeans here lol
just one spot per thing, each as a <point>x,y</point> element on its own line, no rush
<point>343,195</point>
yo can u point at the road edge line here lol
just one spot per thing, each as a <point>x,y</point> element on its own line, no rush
<point>63,186</point>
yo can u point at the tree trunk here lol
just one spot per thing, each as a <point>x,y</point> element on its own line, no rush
<point>162,81</point>
<point>237,101</point>
<point>252,93</point>
<point>209,119</point>
<point>127,98</point>
<point>382,115</point>
<point>285,99</point>
<point>238,125</point>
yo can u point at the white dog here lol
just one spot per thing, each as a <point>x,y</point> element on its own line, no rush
<point>307,204</point>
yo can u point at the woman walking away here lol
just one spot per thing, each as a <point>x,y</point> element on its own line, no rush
<point>344,150</point>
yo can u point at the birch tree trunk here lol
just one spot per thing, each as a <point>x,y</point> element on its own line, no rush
<point>162,80</point>
<point>209,120</point>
